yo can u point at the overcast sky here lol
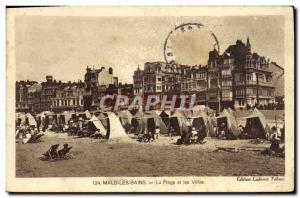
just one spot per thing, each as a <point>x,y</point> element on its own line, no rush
<point>64,46</point>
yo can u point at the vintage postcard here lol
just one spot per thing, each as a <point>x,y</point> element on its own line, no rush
<point>150,99</point>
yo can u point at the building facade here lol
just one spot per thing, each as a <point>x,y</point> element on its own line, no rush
<point>22,95</point>
<point>96,82</point>
<point>34,98</point>
<point>48,92</point>
<point>237,78</point>
<point>69,97</point>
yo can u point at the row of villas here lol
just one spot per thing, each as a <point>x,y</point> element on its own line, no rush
<point>234,79</point>
<point>50,95</point>
<point>58,96</point>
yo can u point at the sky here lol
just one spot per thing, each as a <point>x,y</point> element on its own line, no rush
<point>64,46</point>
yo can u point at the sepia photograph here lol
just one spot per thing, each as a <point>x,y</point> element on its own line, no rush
<point>150,99</point>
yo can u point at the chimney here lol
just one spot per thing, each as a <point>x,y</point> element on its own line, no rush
<point>110,70</point>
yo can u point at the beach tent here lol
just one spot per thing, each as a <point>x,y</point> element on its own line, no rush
<point>84,115</point>
<point>197,122</point>
<point>160,123</point>
<point>25,119</point>
<point>201,116</point>
<point>65,117</point>
<point>115,129</point>
<point>179,122</point>
<point>30,120</point>
<point>203,109</point>
<point>103,117</point>
<point>125,118</point>
<point>257,126</point>
<point>212,126</point>
<point>44,114</point>
<point>197,108</point>
<point>165,116</point>
<point>153,120</point>
<point>138,114</point>
<point>150,124</point>
<point>138,123</point>
<point>230,122</point>
<point>95,124</point>
<point>20,119</point>
<point>73,115</point>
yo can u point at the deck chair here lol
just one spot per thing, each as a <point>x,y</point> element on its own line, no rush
<point>35,138</point>
<point>52,152</point>
<point>64,152</point>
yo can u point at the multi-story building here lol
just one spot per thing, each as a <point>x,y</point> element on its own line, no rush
<point>68,97</point>
<point>97,80</point>
<point>34,98</point>
<point>236,79</point>
<point>199,84</point>
<point>252,77</point>
<point>138,81</point>
<point>48,92</point>
<point>22,95</point>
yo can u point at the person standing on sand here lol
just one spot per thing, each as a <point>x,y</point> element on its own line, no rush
<point>38,124</point>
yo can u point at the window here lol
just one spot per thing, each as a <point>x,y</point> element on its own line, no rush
<point>249,77</point>
<point>226,83</point>
<point>226,94</point>
<point>240,92</point>
<point>226,72</point>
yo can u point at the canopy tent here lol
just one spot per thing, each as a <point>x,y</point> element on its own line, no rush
<point>257,126</point>
<point>227,122</point>
<point>115,129</point>
<point>95,124</point>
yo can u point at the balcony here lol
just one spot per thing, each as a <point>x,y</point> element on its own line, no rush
<point>269,84</point>
<point>237,83</point>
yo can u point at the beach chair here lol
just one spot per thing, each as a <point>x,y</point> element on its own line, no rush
<point>52,152</point>
<point>35,138</point>
<point>64,152</point>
